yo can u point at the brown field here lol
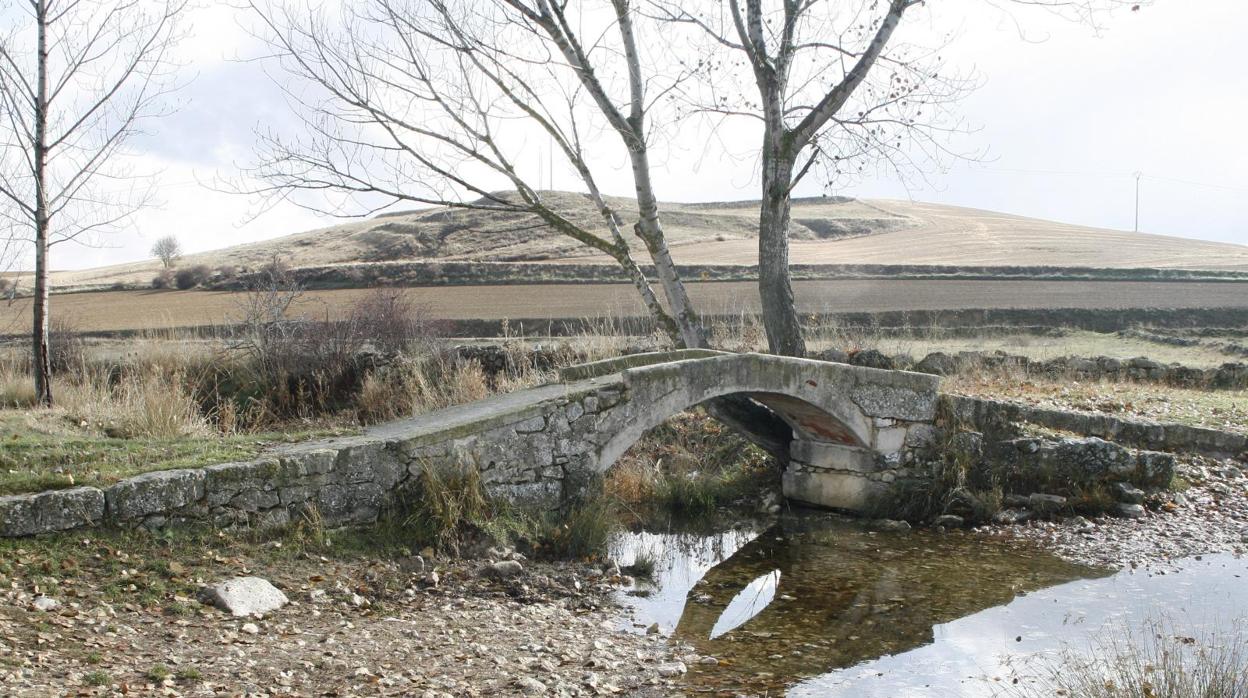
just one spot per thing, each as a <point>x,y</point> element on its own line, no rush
<point>133,310</point>
<point>825,231</point>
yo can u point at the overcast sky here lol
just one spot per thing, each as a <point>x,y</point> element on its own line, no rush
<point>1065,115</point>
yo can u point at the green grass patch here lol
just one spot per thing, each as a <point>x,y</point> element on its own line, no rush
<point>44,452</point>
<point>97,678</point>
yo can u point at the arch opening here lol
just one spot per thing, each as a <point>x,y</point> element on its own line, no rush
<point>688,466</point>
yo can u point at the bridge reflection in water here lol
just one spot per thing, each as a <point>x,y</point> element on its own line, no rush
<point>815,594</point>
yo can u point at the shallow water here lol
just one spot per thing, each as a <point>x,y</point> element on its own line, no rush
<point>817,606</point>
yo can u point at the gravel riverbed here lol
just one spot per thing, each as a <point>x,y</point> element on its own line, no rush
<point>1208,516</point>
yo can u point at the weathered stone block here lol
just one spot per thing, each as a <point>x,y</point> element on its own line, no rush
<point>828,456</point>
<point>370,462</point>
<point>310,462</point>
<point>834,490</point>
<point>45,512</point>
<point>154,493</point>
<point>244,596</point>
<point>890,440</point>
<point>878,400</point>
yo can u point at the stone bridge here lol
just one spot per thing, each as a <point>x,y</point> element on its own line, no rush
<point>853,432</point>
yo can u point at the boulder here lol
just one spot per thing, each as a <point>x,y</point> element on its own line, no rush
<point>938,364</point>
<point>1130,511</point>
<point>1128,493</point>
<point>245,596</point>
<point>1045,503</point>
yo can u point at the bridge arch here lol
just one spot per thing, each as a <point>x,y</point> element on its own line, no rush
<point>840,416</point>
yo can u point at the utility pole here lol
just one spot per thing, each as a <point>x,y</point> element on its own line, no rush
<point>1137,200</point>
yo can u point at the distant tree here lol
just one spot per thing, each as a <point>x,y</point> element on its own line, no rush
<point>168,250</point>
<point>76,79</point>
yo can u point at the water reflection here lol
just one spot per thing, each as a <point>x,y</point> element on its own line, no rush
<point>816,594</point>
<point>749,602</point>
<point>680,561</point>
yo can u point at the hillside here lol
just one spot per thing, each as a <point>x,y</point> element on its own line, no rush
<point>833,230</point>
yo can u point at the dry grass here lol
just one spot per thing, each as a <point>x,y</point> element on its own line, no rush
<point>1221,409</point>
<point>1158,661</point>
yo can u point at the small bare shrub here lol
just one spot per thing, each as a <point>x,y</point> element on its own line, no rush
<point>164,280</point>
<point>66,348</point>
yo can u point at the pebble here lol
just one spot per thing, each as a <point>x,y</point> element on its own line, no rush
<point>45,603</point>
<point>530,686</point>
<point>672,669</point>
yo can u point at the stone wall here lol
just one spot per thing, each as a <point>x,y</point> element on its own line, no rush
<point>992,416</point>
<point>1228,376</point>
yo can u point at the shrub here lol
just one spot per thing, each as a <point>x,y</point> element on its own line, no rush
<point>192,277</point>
<point>303,365</point>
<point>227,272</point>
<point>163,280</point>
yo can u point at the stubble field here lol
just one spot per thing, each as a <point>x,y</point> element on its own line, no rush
<point>153,310</point>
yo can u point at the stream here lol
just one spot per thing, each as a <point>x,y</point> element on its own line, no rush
<point>816,605</point>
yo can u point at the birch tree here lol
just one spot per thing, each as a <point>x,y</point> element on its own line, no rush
<point>77,77</point>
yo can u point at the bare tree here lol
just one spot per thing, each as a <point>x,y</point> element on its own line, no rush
<point>833,90</point>
<point>76,79</point>
<point>434,102</point>
<point>168,250</point>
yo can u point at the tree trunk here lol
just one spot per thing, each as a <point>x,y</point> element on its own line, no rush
<point>775,284</point>
<point>41,358</point>
<point>650,230</point>
<point>42,361</point>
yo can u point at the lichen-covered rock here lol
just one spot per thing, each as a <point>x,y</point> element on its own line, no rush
<point>45,512</point>
<point>871,358</point>
<point>938,364</point>
<point>154,493</point>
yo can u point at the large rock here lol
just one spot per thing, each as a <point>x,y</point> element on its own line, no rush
<point>938,364</point>
<point>872,358</point>
<point>245,596</point>
<point>58,510</point>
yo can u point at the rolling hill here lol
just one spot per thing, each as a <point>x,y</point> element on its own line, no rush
<point>834,230</point>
